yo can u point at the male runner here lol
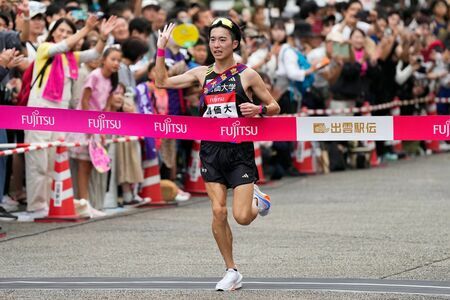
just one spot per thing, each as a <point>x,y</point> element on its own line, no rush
<point>225,165</point>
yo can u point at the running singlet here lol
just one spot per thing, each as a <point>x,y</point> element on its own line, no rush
<point>224,99</point>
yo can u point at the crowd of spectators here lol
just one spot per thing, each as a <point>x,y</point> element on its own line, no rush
<point>99,56</point>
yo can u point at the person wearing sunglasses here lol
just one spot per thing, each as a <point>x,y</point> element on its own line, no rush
<point>228,90</point>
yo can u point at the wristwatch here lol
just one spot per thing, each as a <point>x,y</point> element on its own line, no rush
<point>263,110</point>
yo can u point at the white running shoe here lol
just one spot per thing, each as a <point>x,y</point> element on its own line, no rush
<point>182,196</point>
<point>84,209</point>
<point>9,204</point>
<point>136,200</point>
<point>262,201</point>
<point>31,216</point>
<point>230,282</point>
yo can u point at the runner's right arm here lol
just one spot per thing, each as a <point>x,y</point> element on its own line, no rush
<point>188,79</point>
<point>162,79</point>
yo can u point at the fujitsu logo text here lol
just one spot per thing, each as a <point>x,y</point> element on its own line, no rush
<point>443,129</point>
<point>235,130</point>
<point>101,123</point>
<point>167,127</point>
<point>35,119</point>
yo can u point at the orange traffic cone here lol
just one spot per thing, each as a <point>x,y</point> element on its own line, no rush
<point>374,161</point>
<point>433,146</point>
<point>193,182</point>
<point>395,111</point>
<point>151,186</point>
<point>258,162</point>
<point>303,159</point>
<point>62,208</point>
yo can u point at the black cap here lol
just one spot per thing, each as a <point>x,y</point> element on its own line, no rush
<point>303,30</point>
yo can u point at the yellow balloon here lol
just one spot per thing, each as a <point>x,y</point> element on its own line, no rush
<point>185,35</point>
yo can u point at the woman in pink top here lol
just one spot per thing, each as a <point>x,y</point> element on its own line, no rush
<point>358,42</point>
<point>365,54</point>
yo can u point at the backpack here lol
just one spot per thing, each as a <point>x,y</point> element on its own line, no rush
<point>306,84</point>
<point>27,77</point>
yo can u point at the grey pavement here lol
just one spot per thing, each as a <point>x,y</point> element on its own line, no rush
<point>388,223</point>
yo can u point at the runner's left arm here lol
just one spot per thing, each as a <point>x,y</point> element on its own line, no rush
<point>269,106</point>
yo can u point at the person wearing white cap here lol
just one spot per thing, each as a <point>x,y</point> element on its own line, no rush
<point>150,9</point>
<point>37,27</point>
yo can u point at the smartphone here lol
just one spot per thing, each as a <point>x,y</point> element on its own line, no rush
<point>362,15</point>
<point>99,14</point>
<point>323,63</point>
<point>341,49</point>
<point>79,15</point>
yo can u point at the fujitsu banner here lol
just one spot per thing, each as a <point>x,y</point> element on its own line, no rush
<point>175,127</point>
<point>228,129</point>
<point>422,128</point>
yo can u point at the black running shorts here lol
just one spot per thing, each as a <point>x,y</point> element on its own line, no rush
<point>227,163</point>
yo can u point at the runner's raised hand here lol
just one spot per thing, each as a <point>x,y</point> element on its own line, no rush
<point>164,35</point>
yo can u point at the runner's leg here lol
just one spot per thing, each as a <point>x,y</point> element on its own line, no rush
<point>217,192</point>
<point>244,209</point>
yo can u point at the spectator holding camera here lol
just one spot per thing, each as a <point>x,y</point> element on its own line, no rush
<point>258,48</point>
<point>294,73</point>
<point>351,20</point>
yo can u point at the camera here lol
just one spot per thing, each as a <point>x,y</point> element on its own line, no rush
<point>5,95</point>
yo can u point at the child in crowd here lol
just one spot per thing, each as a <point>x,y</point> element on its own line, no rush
<point>97,95</point>
<point>128,155</point>
<point>151,100</point>
<point>199,54</point>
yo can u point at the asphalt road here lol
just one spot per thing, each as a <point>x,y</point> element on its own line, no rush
<point>371,234</point>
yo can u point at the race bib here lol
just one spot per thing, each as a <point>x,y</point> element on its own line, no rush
<point>221,106</point>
